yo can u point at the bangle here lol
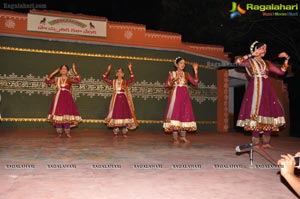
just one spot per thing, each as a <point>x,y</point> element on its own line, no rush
<point>239,60</point>
<point>284,67</point>
<point>287,58</point>
<point>105,74</point>
<point>250,56</point>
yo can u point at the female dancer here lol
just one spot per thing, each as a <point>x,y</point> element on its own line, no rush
<point>261,111</point>
<point>63,111</point>
<point>121,113</point>
<point>179,114</point>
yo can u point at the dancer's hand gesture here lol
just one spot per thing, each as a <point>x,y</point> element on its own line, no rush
<point>108,68</point>
<point>53,73</point>
<point>130,66</point>
<point>195,67</point>
<point>283,54</point>
<point>74,69</point>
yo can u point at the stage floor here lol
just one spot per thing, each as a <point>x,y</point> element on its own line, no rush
<point>146,165</point>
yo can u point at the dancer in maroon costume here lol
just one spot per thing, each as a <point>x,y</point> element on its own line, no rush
<point>179,114</point>
<point>63,112</point>
<point>121,114</point>
<point>261,111</point>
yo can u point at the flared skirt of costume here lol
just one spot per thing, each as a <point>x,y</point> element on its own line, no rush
<point>179,114</point>
<point>260,109</point>
<point>63,109</point>
<point>120,114</point>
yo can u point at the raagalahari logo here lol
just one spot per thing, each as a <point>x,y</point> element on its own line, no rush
<point>236,10</point>
<point>267,10</point>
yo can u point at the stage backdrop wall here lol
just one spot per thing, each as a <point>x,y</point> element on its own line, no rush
<point>25,98</point>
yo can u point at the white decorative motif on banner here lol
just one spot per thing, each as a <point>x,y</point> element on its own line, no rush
<point>9,23</point>
<point>91,87</point>
<point>128,34</point>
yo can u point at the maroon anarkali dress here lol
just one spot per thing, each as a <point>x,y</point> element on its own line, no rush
<point>179,114</point>
<point>63,108</point>
<point>121,109</point>
<point>260,109</point>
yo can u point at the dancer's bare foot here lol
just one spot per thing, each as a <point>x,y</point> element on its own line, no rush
<point>256,147</point>
<point>116,132</point>
<point>175,141</point>
<point>185,140</point>
<point>59,132</point>
<point>267,146</point>
<point>124,132</point>
<point>68,135</point>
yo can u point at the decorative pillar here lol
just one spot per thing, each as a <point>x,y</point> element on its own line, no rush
<point>222,104</point>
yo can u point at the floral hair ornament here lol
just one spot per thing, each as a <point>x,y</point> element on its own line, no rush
<point>252,47</point>
<point>178,59</point>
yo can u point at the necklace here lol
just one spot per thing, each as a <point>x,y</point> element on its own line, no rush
<point>261,64</point>
<point>119,84</point>
<point>63,81</point>
<point>180,75</point>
